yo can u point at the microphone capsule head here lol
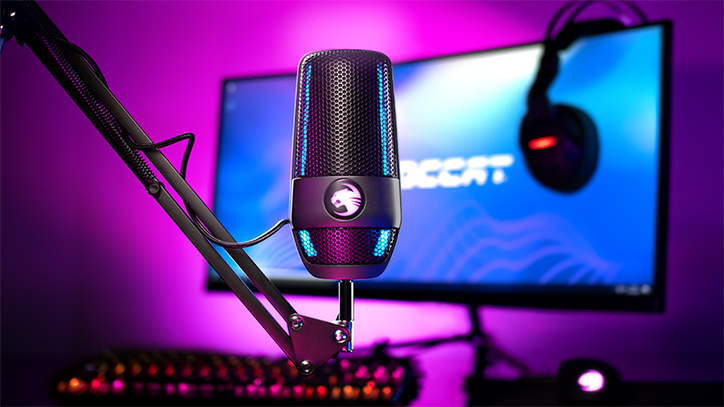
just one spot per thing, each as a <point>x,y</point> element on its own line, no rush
<point>346,209</point>
<point>345,115</point>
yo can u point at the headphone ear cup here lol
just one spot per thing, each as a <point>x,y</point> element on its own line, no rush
<point>582,132</point>
<point>561,150</point>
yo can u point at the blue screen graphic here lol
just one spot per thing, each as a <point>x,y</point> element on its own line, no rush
<point>473,216</point>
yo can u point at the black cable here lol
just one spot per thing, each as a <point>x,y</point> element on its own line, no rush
<point>173,140</point>
<point>40,34</point>
<point>78,50</point>
<point>199,225</point>
<point>54,42</point>
<point>238,245</point>
<point>184,162</point>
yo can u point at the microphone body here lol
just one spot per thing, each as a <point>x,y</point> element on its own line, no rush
<point>345,188</point>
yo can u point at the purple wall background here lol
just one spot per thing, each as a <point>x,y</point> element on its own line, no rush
<point>90,261</point>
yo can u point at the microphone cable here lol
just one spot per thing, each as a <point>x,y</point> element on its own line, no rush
<point>197,222</point>
<point>184,161</point>
<point>87,58</point>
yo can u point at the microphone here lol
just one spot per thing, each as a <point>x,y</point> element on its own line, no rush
<point>345,199</point>
<point>345,207</point>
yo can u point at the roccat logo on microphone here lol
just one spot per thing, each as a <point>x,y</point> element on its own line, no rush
<point>344,199</point>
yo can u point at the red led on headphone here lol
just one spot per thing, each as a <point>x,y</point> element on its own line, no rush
<point>542,142</point>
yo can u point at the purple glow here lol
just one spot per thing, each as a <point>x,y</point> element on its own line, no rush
<point>165,272</point>
<point>113,247</point>
<point>591,381</point>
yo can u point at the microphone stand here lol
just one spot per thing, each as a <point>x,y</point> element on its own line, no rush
<point>310,342</point>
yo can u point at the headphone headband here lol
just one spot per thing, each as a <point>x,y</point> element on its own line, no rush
<point>560,143</point>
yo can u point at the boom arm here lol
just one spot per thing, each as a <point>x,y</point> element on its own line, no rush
<point>310,342</point>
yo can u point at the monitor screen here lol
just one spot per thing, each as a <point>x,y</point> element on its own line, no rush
<point>476,226</point>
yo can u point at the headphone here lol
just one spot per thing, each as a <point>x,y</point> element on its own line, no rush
<point>560,142</point>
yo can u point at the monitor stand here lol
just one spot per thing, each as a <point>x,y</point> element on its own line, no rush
<point>476,337</point>
<point>475,383</point>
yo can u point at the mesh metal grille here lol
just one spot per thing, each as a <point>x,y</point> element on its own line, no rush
<point>345,123</point>
<point>339,246</point>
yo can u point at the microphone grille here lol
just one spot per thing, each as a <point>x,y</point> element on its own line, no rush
<point>345,115</point>
<point>346,246</point>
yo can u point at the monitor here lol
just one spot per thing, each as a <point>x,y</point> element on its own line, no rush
<point>476,226</point>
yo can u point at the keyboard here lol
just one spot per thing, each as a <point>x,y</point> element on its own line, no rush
<point>139,377</point>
